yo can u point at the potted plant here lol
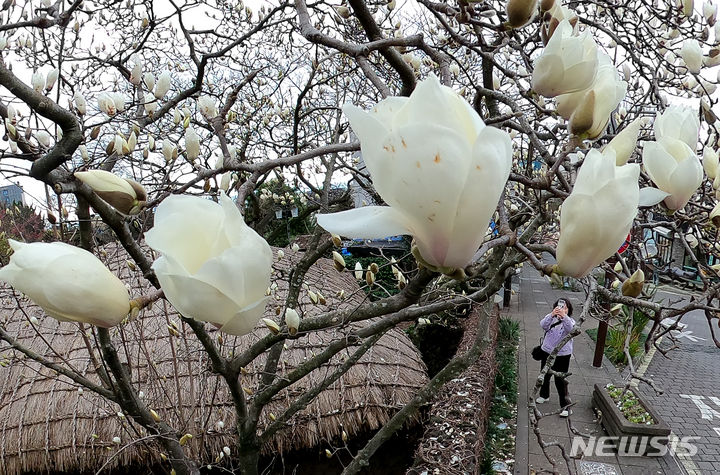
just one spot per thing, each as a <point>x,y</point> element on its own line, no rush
<point>631,421</point>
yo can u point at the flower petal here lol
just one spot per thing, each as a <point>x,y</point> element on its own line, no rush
<point>427,171</point>
<point>194,298</point>
<point>650,196</point>
<point>244,321</point>
<point>242,287</point>
<point>433,102</point>
<point>369,222</point>
<point>186,228</point>
<point>492,160</point>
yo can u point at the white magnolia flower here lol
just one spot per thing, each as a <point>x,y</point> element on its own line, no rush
<point>588,111</point>
<point>37,80</point>
<point>674,168</point>
<point>137,72</point>
<point>192,144</point>
<point>213,267</point>
<point>52,77</point>
<point>207,107</point>
<point>106,103</point>
<point>69,283</point>
<point>149,80</point>
<point>123,194</point>
<point>568,63</point>
<point>625,142</point>
<point>80,103</point>
<point>710,12</point>
<point>168,150</point>
<point>437,165</point>
<point>598,214</point>
<point>163,84</point>
<point>151,104</point>
<point>710,162</point>
<point>43,138</point>
<point>691,53</point>
<point>678,122</point>
<point>119,100</point>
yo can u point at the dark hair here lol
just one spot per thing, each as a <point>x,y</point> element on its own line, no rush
<point>568,304</point>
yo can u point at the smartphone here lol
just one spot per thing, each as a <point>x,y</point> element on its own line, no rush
<point>561,304</point>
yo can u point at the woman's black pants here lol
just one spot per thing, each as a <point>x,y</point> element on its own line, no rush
<point>561,365</point>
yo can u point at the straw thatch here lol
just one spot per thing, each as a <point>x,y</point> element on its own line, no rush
<point>47,424</point>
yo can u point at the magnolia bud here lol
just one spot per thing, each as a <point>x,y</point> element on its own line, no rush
<point>520,12</point>
<point>313,297</point>
<point>616,309</point>
<point>343,12</point>
<point>370,278</point>
<point>295,247</point>
<point>337,242</point>
<point>185,439</point>
<point>292,320</point>
<point>338,261</point>
<point>632,287</point>
<point>715,215</point>
<point>618,267</point>
<point>358,271</point>
<point>123,194</point>
<point>374,268</point>
<point>402,282</point>
<point>272,325</point>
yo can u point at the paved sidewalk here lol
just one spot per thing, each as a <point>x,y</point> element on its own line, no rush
<point>690,378</point>
<point>533,300</point>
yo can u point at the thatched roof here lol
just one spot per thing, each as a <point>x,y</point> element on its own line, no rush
<point>46,424</point>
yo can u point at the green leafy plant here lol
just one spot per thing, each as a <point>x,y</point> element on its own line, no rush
<point>499,439</point>
<point>629,405</point>
<point>615,341</point>
<point>385,284</point>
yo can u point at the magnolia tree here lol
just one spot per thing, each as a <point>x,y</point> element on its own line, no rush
<point>568,125</point>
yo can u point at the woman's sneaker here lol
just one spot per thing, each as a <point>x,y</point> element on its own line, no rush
<point>565,413</point>
<point>541,400</point>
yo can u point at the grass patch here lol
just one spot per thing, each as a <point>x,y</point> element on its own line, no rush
<point>500,436</point>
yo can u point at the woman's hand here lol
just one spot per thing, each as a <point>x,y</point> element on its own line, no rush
<point>560,313</point>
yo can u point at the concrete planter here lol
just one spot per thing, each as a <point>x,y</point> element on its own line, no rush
<point>632,439</point>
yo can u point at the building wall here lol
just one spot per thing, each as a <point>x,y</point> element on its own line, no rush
<point>11,194</point>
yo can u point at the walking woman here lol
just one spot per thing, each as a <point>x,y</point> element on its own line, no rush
<point>557,324</point>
